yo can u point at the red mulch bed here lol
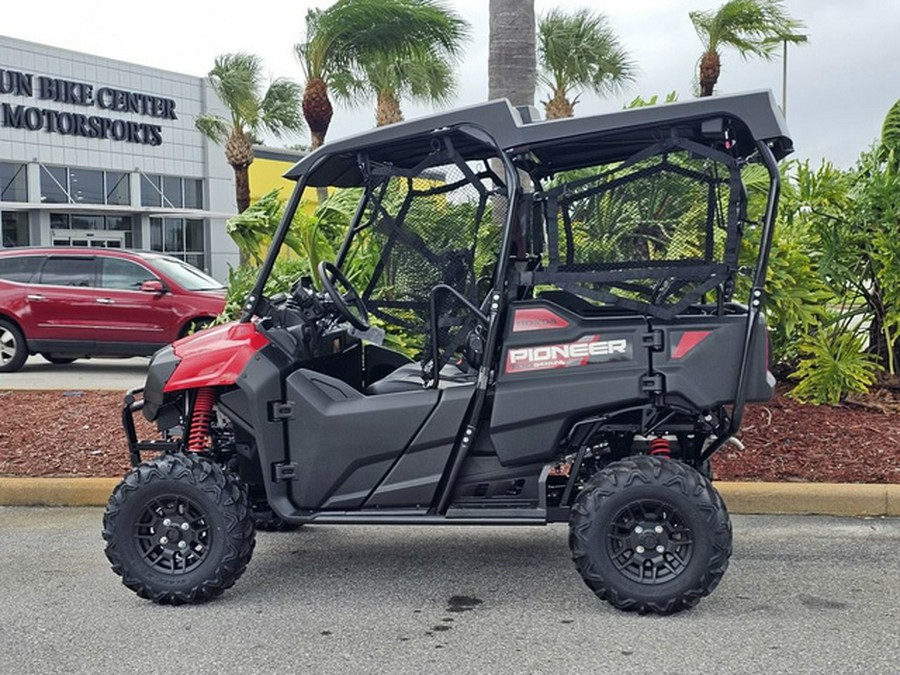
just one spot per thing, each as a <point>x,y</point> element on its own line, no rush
<point>56,433</point>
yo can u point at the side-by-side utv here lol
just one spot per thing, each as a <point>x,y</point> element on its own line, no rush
<point>581,302</point>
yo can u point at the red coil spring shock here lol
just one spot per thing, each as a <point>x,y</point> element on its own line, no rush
<point>201,418</point>
<point>661,447</point>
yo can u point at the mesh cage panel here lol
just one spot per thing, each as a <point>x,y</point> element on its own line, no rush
<point>435,228</point>
<point>658,232</point>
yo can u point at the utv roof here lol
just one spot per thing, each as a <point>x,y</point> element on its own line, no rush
<point>554,145</point>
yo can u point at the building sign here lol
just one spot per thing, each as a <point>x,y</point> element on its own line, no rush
<point>49,90</point>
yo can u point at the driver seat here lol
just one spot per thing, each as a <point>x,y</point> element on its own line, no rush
<point>408,377</point>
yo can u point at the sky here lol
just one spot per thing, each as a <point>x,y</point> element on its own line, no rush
<point>840,85</point>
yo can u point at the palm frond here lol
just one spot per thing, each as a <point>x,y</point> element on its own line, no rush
<point>213,127</point>
<point>580,50</point>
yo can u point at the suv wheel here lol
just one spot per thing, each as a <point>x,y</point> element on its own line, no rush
<point>13,350</point>
<point>178,529</point>
<point>650,535</point>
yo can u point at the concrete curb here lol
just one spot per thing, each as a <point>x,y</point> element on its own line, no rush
<point>56,491</point>
<point>831,499</point>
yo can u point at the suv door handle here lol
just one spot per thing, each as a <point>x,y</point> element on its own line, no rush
<point>106,301</point>
<point>36,297</point>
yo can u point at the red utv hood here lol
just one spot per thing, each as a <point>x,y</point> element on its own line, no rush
<point>214,357</point>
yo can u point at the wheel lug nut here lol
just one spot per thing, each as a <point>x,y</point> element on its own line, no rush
<point>163,540</point>
<point>183,544</point>
<point>640,549</point>
<point>185,526</point>
<point>167,522</point>
<point>638,529</point>
<point>658,529</point>
<point>660,549</point>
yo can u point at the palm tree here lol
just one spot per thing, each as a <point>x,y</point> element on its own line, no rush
<point>511,51</point>
<point>753,27</point>
<point>579,51</point>
<point>341,38</point>
<point>238,80</point>
<point>419,75</point>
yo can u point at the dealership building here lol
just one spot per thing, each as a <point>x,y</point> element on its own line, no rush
<point>99,152</point>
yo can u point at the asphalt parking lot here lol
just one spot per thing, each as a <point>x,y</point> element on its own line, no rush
<point>803,595</point>
<point>108,374</point>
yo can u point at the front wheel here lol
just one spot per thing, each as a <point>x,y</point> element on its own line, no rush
<point>178,529</point>
<point>650,535</point>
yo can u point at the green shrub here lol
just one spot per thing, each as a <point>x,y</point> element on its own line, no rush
<point>833,364</point>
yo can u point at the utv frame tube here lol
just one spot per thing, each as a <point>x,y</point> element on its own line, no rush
<point>495,303</point>
<point>757,294</point>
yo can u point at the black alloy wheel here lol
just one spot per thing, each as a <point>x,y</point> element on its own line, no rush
<point>178,529</point>
<point>650,535</point>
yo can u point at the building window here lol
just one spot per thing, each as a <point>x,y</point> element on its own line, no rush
<point>54,185</point>
<point>86,186</point>
<point>87,222</point>
<point>118,188</point>
<point>14,228</point>
<point>13,183</point>
<point>151,193</point>
<point>193,193</point>
<point>62,185</point>
<point>182,238</point>
<point>65,221</point>
<point>171,191</point>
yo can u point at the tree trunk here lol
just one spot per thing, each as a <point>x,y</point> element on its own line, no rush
<point>511,51</point>
<point>388,110</point>
<point>710,67</point>
<point>559,107</point>
<point>242,195</point>
<point>242,186</point>
<point>318,111</point>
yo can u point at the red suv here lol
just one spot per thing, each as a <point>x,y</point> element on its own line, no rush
<point>67,303</point>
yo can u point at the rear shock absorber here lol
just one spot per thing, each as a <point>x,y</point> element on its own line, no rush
<point>660,447</point>
<point>201,418</point>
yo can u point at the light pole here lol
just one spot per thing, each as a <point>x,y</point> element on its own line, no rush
<point>784,81</point>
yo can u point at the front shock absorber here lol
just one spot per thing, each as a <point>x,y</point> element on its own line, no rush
<point>660,447</point>
<point>201,418</point>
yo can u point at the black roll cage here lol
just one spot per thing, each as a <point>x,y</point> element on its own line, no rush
<point>513,145</point>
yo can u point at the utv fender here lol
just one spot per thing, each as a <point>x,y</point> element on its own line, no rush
<point>215,357</point>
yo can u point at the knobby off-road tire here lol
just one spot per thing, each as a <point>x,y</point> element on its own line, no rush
<point>13,350</point>
<point>178,529</point>
<point>650,535</point>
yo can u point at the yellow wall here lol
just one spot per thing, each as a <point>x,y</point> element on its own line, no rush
<point>267,174</point>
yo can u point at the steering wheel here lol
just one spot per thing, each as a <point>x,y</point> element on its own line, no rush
<point>349,304</point>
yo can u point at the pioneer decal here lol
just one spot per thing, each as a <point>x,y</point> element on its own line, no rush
<point>587,350</point>
<point>537,318</point>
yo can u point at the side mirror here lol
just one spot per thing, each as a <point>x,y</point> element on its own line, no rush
<point>153,286</point>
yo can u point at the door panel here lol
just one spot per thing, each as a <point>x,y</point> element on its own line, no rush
<point>126,312</point>
<point>343,442</point>
<point>62,303</point>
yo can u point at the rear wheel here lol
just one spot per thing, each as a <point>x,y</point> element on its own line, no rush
<point>13,350</point>
<point>650,535</point>
<point>178,529</point>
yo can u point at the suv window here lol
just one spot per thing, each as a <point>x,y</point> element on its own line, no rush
<point>68,272</point>
<point>123,274</point>
<point>19,269</point>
